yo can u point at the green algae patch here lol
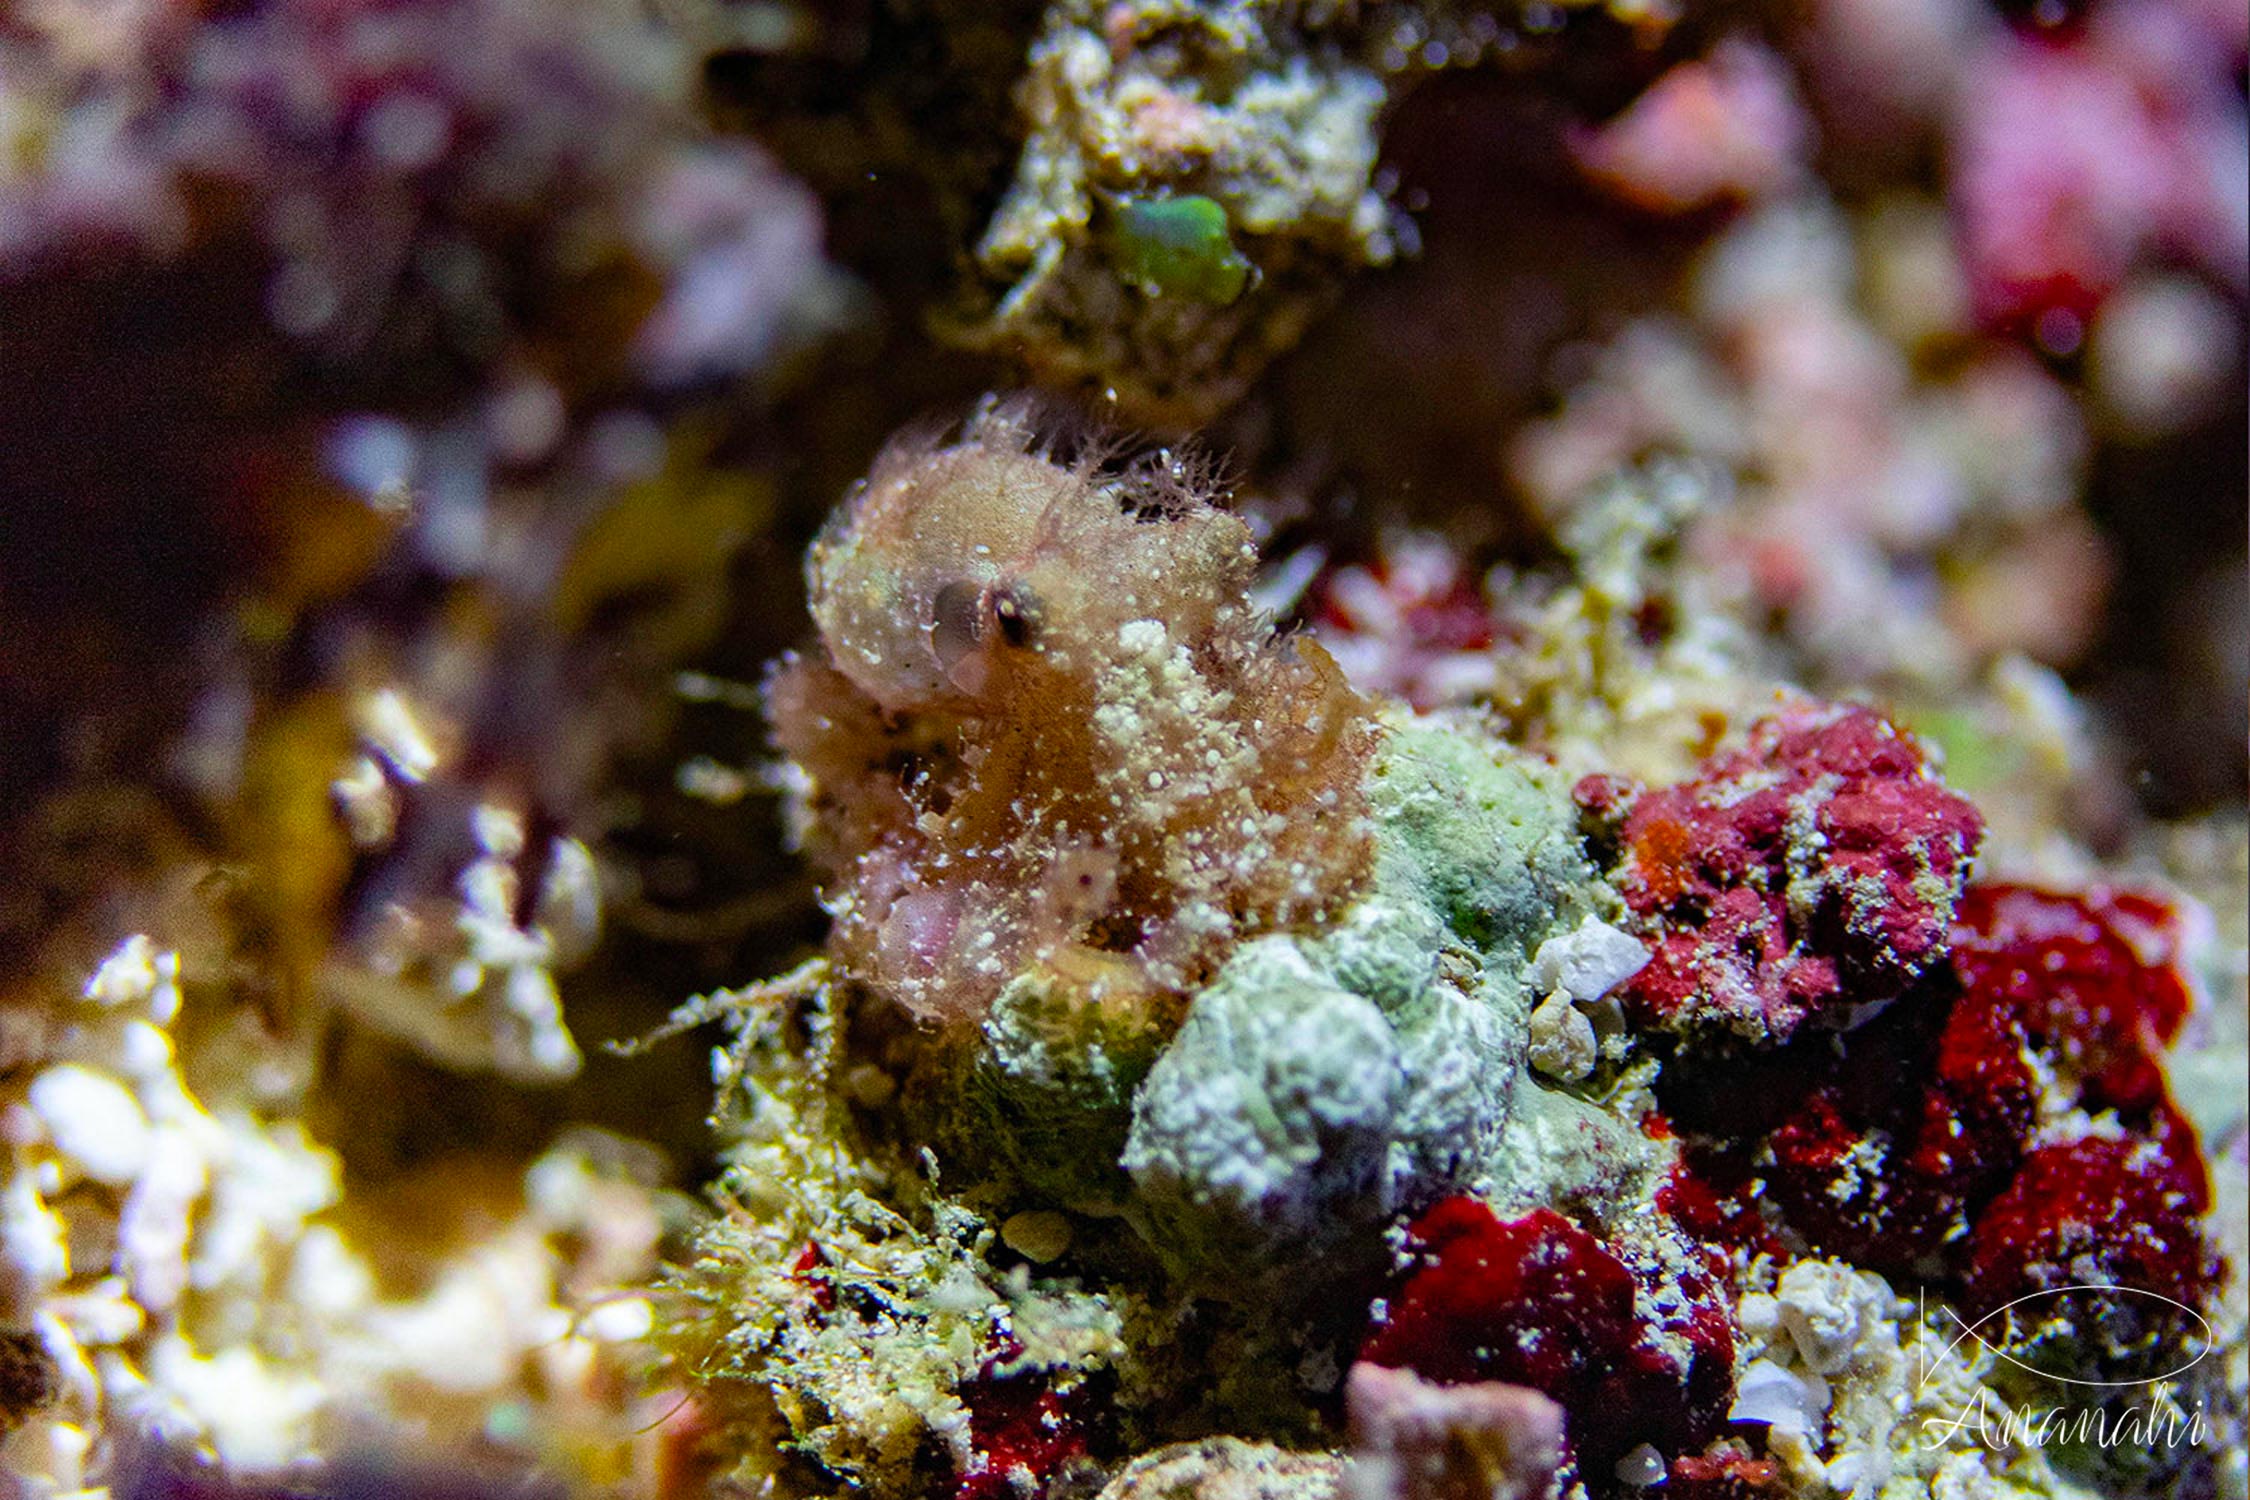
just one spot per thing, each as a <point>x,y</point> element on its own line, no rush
<point>1484,837</point>
<point>1178,247</point>
<point>1325,1082</point>
<point>1051,1090</point>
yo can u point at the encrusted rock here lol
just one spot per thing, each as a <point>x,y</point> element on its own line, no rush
<point>1540,1302</point>
<point>1812,870</point>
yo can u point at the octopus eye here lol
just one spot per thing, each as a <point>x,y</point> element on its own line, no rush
<point>957,629</point>
<point>1017,610</point>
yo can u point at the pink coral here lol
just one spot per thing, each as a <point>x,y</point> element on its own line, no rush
<point>1721,129</point>
<point>1412,623</point>
<point>2079,155</point>
<point>1413,1439</point>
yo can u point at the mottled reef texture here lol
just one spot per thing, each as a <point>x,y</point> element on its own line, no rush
<point>1554,1081</point>
<point>1400,750</point>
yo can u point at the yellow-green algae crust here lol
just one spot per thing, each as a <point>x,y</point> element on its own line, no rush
<point>850,1299</point>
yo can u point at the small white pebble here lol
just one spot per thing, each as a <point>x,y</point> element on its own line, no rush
<point>1641,1468</point>
<point>104,1314</point>
<point>1038,1235</point>
<point>711,781</point>
<point>553,1054</point>
<point>1818,1305</point>
<point>34,1247</point>
<point>153,1228</point>
<point>126,976</point>
<point>143,1050</point>
<point>1589,961</point>
<point>1843,1471</point>
<point>619,1321</point>
<point>388,724</point>
<point>499,830</point>
<point>92,1119</point>
<point>164,1004</point>
<point>1793,1401</point>
<point>1759,1315</point>
<point>1562,1040</point>
<point>326,1278</point>
<point>67,1445</point>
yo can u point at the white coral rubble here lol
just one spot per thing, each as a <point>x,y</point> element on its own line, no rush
<point>184,1270</point>
<point>1868,1399</point>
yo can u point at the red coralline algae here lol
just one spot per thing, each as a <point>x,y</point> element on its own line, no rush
<point>1022,1432</point>
<point>1538,1293</point>
<point>1921,1119</point>
<point>2103,1210</point>
<point>1714,1200</point>
<point>1911,1144</point>
<point>1724,1476</point>
<point>1878,1153</point>
<point>1537,1301</point>
<point>2091,977</point>
<point>811,1268</point>
<point>1814,869</point>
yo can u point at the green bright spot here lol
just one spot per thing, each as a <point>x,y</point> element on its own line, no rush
<point>509,1422</point>
<point>1179,247</point>
<point>1975,759</point>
